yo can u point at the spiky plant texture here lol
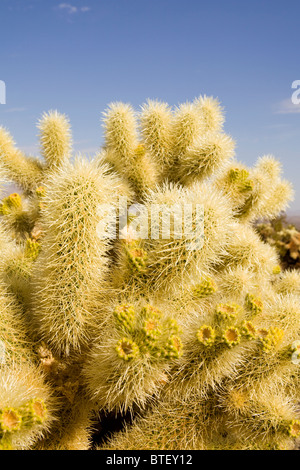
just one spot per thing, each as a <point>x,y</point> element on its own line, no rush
<point>137,283</point>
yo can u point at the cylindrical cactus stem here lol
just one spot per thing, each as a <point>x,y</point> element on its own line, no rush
<point>25,171</point>
<point>18,268</point>
<point>246,250</point>
<point>120,125</point>
<point>206,155</point>
<point>260,414</point>
<point>211,113</point>
<point>186,127</point>
<point>55,138</point>
<point>14,344</point>
<point>236,182</point>
<point>156,126</point>
<point>71,267</point>
<point>124,152</point>
<point>269,193</point>
<point>186,232</point>
<point>288,282</point>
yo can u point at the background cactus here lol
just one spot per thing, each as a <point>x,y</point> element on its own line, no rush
<point>179,322</point>
<point>285,237</point>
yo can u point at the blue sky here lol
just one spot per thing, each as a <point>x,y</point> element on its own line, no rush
<point>77,56</point>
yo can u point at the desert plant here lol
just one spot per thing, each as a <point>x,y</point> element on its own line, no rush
<point>284,237</point>
<point>136,284</point>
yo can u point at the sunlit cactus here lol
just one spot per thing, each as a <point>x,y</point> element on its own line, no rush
<point>55,138</point>
<point>136,284</point>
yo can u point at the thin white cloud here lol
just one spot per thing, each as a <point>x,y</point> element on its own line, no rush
<point>15,110</point>
<point>71,9</point>
<point>287,107</point>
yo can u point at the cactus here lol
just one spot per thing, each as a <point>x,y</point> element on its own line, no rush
<point>137,285</point>
<point>284,237</point>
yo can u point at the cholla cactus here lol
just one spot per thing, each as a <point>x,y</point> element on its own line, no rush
<point>285,238</point>
<point>137,283</point>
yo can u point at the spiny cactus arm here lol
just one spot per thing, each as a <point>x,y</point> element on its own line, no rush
<point>17,271</point>
<point>15,345</point>
<point>263,416</point>
<point>186,127</point>
<point>270,194</point>
<point>280,197</point>
<point>130,268</point>
<point>236,182</point>
<point>120,125</point>
<point>172,423</point>
<point>70,269</point>
<point>124,152</point>
<point>55,138</point>
<point>156,125</point>
<point>247,251</point>
<point>25,171</point>
<point>175,255</point>
<point>211,113</point>
<point>74,429</point>
<point>288,282</point>
<point>204,157</point>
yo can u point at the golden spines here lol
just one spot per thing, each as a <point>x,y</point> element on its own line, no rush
<point>124,152</point>
<point>120,133</point>
<point>288,282</point>
<point>185,129</point>
<point>70,268</point>
<point>204,157</point>
<point>156,124</point>
<point>25,171</point>
<point>210,112</point>
<point>27,404</point>
<point>55,138</point>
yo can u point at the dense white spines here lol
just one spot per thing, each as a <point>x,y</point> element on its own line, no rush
<point>27,172</point>
<point>72,263</point>
<point>55,138</point>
